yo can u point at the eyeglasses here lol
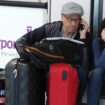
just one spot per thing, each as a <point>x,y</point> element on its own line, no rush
<point>71,19</point>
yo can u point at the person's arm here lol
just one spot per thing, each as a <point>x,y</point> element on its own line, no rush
<point>84,34</point>
<point>28,39</point>
<point>86,37</point>
<point>96,50</point>
<point>101,61</point>
<point>99,56</point>
<point>84,31</point>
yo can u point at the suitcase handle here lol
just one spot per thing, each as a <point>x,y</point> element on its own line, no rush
<point>64,75</point>
<point>15,69</point>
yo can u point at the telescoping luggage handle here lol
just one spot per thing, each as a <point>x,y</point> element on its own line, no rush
<point>15,69</point>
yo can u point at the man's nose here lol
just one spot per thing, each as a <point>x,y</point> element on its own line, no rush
<point>73,22</point>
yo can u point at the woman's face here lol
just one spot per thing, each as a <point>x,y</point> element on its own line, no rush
<point>103,34</point>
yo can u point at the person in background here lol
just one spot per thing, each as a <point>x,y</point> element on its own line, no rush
<point>69,26</point>
<point>98,73</point>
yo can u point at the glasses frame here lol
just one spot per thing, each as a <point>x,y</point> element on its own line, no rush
<point>70,19</point>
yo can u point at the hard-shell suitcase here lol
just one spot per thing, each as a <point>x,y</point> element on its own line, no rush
<point>24,85</point>
<point>63,84</point>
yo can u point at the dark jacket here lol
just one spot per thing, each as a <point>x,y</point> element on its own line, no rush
<point>48,30</point>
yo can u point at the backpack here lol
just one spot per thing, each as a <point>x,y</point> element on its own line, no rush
<point>56,49</point>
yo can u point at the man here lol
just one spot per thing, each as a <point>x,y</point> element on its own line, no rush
<point>69,27</point>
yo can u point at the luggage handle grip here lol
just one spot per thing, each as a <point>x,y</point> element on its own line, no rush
<point>64,75</point>
<point>15,69</point>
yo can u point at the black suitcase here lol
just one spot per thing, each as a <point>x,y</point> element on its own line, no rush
<point>24,84</point>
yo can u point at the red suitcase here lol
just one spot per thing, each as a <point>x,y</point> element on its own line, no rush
<point>63,84</point>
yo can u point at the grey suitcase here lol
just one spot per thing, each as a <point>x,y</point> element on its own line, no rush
<point>24,84</point>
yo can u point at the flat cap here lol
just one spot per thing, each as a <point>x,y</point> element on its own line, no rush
<point>72,8</point>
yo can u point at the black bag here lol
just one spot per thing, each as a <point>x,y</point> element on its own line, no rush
<point>24,84</point>
<point>56,49</point>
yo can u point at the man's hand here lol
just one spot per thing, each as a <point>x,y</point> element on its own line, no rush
<point>85,29</point>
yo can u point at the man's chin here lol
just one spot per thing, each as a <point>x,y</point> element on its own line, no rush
<point>72,31</point>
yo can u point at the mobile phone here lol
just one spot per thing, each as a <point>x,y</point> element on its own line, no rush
<point>81,26</point>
